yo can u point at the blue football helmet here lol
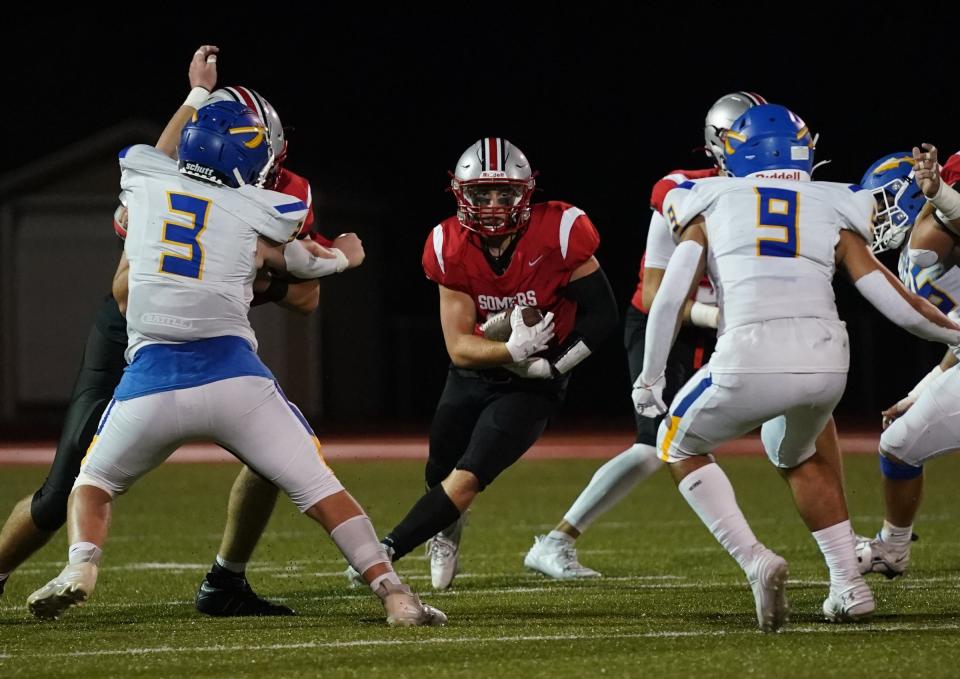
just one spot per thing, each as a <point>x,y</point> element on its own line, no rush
<point>225,143</point>
<point>899,199</point>
<point>768,138</point>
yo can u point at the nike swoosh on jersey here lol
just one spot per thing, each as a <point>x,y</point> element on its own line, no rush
<point>534,262</point>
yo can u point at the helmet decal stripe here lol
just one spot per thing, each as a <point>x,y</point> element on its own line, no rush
<point>483,154</point>
<point>248,98</point>
<point>755,98</point>
<point>493,155</point>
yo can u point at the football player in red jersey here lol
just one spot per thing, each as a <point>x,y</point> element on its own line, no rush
<point>498,251</point>
<point>36,518</point>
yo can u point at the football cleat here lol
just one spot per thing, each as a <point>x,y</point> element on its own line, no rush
<point>444,552</point>
<point>877,556</point>
<point>556,559</point>
<point>404,608</point>
<point>72,587</point>
<point>226,594</point>
<point>850,605</point>
<point>768,580</point>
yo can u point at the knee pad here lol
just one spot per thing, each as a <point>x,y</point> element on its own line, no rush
<point>48,509</point>
<point>898,472</point>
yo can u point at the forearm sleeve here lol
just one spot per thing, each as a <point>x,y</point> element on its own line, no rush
<point>666,308</point>
<point>597,316</point>
<point>880,293</point>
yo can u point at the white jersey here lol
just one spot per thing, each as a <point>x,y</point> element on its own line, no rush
<point>771,258</point>
<point>938,284</point>
<point>660,247</point>
<point>191,246</point>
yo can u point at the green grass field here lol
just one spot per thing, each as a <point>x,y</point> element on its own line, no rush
<point>672,603</point>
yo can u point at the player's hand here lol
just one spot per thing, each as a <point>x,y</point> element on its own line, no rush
<point>926,170</point>
<point>648,398</point>
<point>351,246</point>
<point>527,340</point>
<point>898,409</point>
<point>203,67</point>
<point>532,368</point>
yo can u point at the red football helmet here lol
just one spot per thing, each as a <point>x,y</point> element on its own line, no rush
<point>493,184</point>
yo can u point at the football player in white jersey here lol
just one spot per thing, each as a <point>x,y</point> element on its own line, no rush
<point>198,232</point>
<point>770,240</point>
<point>554,554</point>
<point>925,424</point>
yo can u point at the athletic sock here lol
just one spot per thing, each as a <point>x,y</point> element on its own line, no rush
<point>838,545</point>
<point>560,537</point>
<point>611,483</point>
<point>83,552</point>
<point>235,567</point>
<point>710,495</point>
<point>895,535</point>
<point>431,514</point>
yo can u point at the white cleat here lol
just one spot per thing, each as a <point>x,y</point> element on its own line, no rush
<point>404,608</point>
<point>444,556</point>
<point>768,580</point>
<point>556,559</point>
<point>850,605</point>
<point>877,556</point>
<point>72,587</point>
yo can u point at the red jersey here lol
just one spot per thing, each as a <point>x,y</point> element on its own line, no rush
<point>950,173</point>
<point>558,239</point>
<point>657,196</point>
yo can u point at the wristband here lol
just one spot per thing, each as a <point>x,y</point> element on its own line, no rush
<point>705,315</point>
<point>198,97</point>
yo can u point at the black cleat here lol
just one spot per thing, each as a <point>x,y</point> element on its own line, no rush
<point>223,593</point>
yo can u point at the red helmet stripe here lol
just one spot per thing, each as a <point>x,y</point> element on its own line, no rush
<point>249,98</point>
<point>492,153</point>
<point>755,98</point>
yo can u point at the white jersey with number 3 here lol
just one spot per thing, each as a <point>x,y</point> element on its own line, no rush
<point>191,246</point>
<point>771,258</point>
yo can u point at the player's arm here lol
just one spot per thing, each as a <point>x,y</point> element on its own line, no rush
<point>120,287</point>
<point>885,292</point>
<point>945,198</point>
<point>458,318</point>
<point>311,260</point>
<point>682,275</point>
<point>203,78</point>
<point>290,293</point>
<point>659,248</point>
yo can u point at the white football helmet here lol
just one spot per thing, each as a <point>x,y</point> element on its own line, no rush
<point>493,164</point>
<point>265,111</point>
<point>720,117</point>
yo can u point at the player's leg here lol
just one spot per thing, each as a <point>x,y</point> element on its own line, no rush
<point>554,554</point>
<point>35,519</point>
<point>790,443</point>
<point>514,417</point>
<point>709,410</point>
<point>225,590</point>
<point>275,440</point>
<point>828,448</point>
<point>931,427</point>
<point>133,437</point>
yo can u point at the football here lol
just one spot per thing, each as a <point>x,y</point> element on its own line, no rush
<point>497,327</point>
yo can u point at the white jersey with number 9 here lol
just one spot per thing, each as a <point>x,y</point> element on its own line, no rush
<point>771,258</point>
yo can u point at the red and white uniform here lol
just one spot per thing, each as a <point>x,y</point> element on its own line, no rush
<point>558,239</point>
<point>660,243</point>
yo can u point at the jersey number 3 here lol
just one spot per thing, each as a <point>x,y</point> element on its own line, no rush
<point>778,209</point>
<point>187,234</point>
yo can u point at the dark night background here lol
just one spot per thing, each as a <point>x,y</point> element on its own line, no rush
<point>602,102</point>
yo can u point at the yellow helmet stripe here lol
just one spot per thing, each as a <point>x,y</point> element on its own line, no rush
<point>252,143</point>
<point>892,163</point>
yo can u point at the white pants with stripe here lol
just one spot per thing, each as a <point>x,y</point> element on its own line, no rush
<point>932,425</point>
<point>249,416</point>
<point>792,408</point>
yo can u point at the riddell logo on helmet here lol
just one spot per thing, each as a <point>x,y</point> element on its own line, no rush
<point>199,169</point>
<point>796,175</point>
<point>493,174</point>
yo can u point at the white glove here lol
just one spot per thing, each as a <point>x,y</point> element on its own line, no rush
<point>648,398</point>
<point>524,340</point>
<point>532,368</point>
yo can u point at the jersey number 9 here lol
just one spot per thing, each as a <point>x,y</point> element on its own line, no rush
<point>778,209</point>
